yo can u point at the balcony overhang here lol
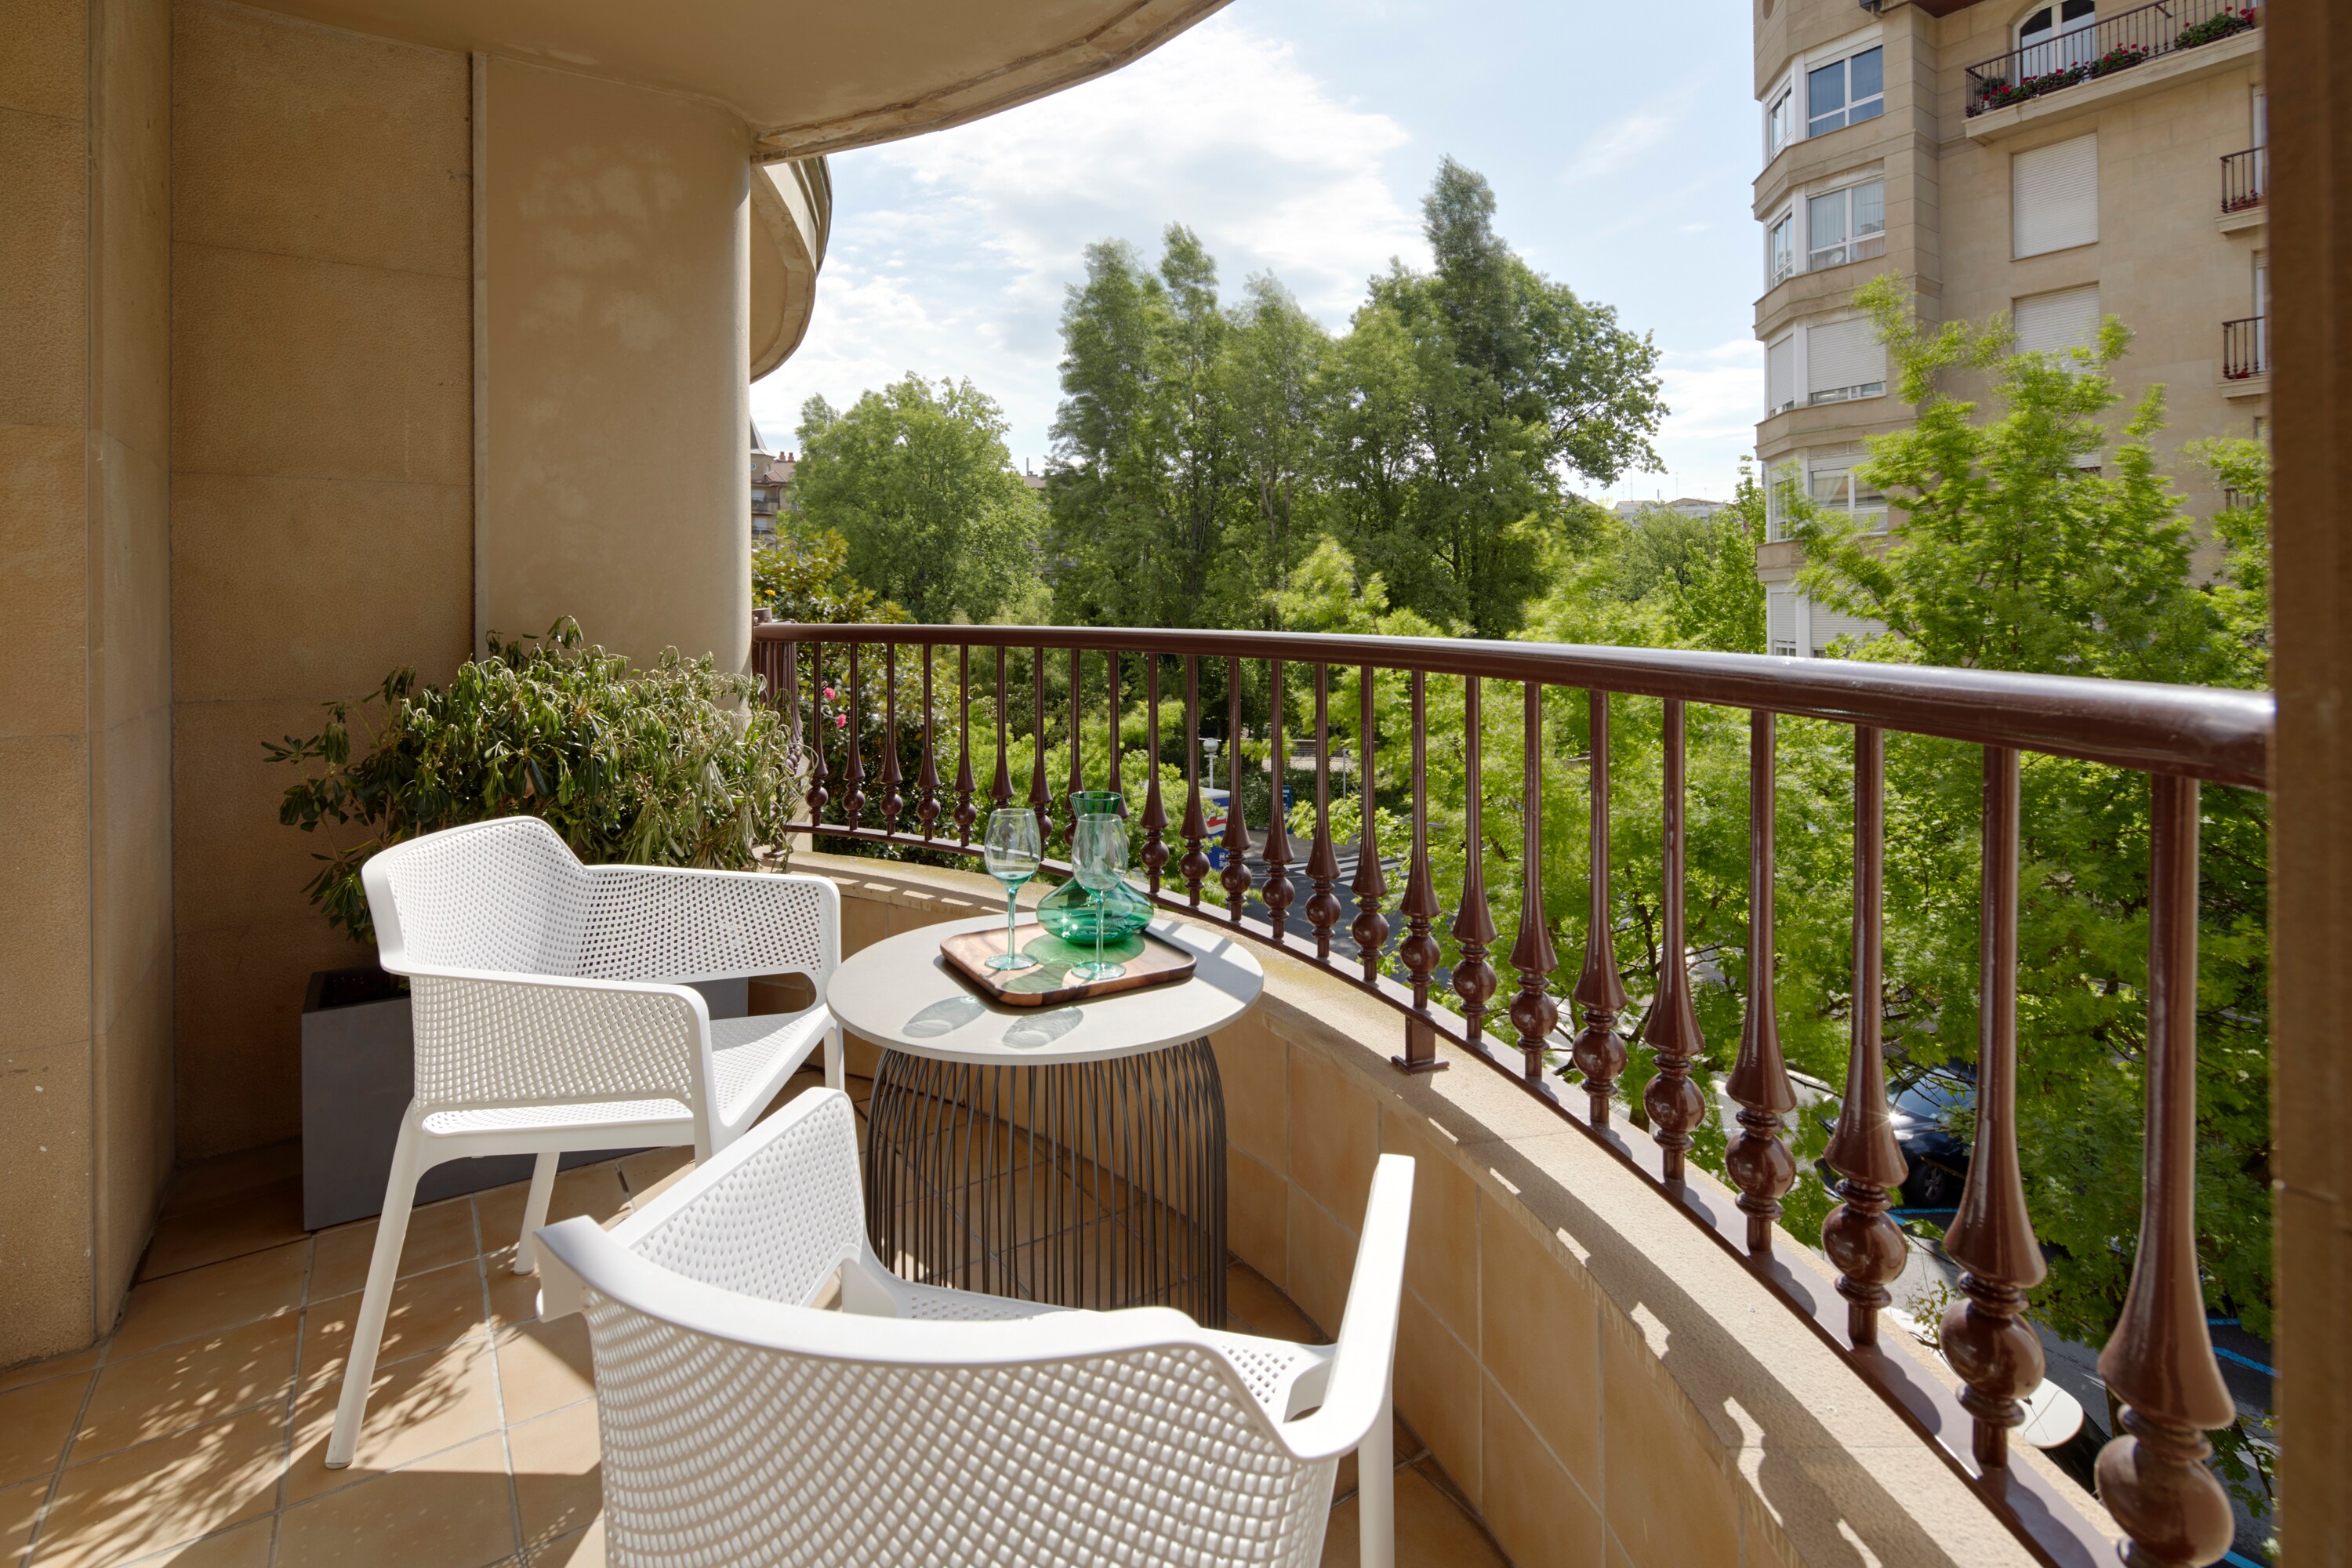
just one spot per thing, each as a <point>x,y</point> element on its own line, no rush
<point>808,77</point>
<point>2086,98</point>
<point>791,216</point>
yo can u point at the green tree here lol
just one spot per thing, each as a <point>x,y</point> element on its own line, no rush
<point>1273,369</point>
<point>916,480</point>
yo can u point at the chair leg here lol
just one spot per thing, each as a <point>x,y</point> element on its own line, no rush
<point>383,1268</point>
<point>534,1211</point>
<point>1376,1488</point>
<point>835,1072</point>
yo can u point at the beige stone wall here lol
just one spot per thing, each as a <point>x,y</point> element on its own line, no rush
<point>322,485</point>
<point>85,939</point>
<point>615,338</point>
<point>1602,1381</point>
<point>2163,261</point>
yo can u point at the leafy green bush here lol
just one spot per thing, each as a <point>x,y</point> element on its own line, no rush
<point>674,765</point>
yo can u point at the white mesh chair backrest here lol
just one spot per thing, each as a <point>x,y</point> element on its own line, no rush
<point>677,925</point>
<point>505,896</point>
<point>776,1224</point>
<point>716,1451</point>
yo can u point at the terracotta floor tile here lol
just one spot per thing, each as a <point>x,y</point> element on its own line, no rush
<point>247,1546</point>
<point>138,1501</point>
<point>215,1297</point>
<point>558,1479</point>
<point>439,1236</point>
<point>19,1505</point>
<point>586,1550</point>
<point>1430,1533</point>
<point>205,1182</point>
<point>1402,1444</point>
<point>545,1366</point>
<point>35,1422</point>
<point>141,1398</point>
<point>415,1408</point>
<point>428,1311</point>
<point>592,1190</point>
<point>450,1511</point>
<point>514,1298</point>
<point>26,1372</point>
<point>641,1173</point>
<point>269,1215</point>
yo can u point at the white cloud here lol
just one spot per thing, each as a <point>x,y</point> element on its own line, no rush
<point>1609,151</point>
<point>1716,396</point>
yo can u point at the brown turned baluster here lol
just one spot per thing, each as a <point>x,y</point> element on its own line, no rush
<point>1533,1012</point>
<point>1758,1158</point>
<point>1599,1054</point>
<point>965,815</point>
<point>1000,789</point>
<point>927,776</point>
<point>1474,927</point>
<point>1985,1337</point>
<point>1322,860</point>
<point>1419,950</point>
<point>1673,1100</point>
<point>817,793</point>
<point>2159,1361</point>
<point>1235,877</point>
<point>1279,892</point>
<point>853,800</point>
<point>1195,865</point>
<point>1155,812</point>
<point>1864,1244</point>
<point>893,802</point>
<point>1039,801</point>
<point>1371,928</point>
<point>789,698</point>
<point>1078,782</point>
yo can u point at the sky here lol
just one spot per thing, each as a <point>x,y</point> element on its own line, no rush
<point>1297,137</point>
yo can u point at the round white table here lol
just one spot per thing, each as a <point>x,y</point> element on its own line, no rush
<point>1072,1154</point>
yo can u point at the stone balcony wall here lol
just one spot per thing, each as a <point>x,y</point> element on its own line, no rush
<point>1604,1381</point>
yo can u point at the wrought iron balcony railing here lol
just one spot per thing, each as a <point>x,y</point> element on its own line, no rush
<point>2246,348</point>
<point>2245,179</point>
<point>2112,44</point>
<point>2159,1363</point>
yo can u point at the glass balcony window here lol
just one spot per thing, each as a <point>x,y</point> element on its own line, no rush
<point>1847,92</point>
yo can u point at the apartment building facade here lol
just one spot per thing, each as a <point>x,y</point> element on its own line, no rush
<point>2059,161</point>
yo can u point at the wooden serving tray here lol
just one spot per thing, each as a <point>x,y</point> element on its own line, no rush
<point>1149,960</point>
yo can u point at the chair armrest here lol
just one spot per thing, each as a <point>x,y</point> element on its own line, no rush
<point>660,922</point>
<point>1364,1358</point>
<point>485,1037</point>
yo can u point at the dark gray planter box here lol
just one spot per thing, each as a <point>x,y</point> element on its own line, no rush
<point>358,1076</point>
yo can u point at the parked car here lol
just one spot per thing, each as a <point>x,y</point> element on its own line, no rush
<point>1933,1112</point>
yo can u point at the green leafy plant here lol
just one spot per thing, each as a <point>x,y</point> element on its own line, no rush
<point>673,765</point>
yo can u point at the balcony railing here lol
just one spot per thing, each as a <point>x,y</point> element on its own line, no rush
<point>2113,44</point>
<point>2159,1361</point>
<point>2246,348</point>
<point>2245,179</point>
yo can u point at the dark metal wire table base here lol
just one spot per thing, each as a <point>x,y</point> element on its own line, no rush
<point>1097,1185</point>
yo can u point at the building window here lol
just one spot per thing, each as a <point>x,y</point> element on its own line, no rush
<point>2055,197</point>
<point>1846,93</point>
<point>1779,122</point>
<point>1780,376</point>
<point>1845,361</point>
<point>2057,36</point>
<point>1832,485</point>
<point>2055,323</point>
<point>1846,225</point>
<point>1780,250</point>
<point>1784,610</point>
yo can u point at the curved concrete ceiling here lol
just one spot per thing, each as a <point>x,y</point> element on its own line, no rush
<point>808,75</point>
<point>791,217</point>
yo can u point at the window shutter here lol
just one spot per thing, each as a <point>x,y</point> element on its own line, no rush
<point>1843,354</point>
<point>1781,620</point>
<point>2049,323</point>
<point>1780,375</point>
<point>1828,625</point>
<point>2055,197</point>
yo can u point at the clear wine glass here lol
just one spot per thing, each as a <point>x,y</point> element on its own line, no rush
<point>1012,849</point>
<point>1099,856</point>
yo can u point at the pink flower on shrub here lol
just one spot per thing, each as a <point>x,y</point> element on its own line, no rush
<point>840,721</point>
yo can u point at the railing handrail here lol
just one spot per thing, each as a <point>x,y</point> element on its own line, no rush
<point>2152,31</point>
<point>2213,734</point>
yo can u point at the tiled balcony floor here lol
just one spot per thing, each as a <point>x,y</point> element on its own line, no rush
<point>195,1434</point>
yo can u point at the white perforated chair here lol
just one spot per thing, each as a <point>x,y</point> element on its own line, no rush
<point>741,1424</point>
<point>551,1013</point>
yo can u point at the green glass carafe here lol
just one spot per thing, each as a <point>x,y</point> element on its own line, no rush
<point>1071,913</point>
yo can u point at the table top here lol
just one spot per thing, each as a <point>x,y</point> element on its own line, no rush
<point>902,994</point>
